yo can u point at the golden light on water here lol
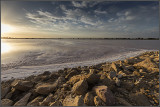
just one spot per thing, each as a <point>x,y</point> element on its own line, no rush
<point>5,28</point>
<point>5,47</point>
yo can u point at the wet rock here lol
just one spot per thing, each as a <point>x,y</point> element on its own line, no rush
<point>123,101</point>
<point>36,101</point>
<point>98,101</point>
<point>46,73</point>
<point>4,91</point>
<point>47,100</point>
<point>80,87</point>
<point>89,99</point>
<point>22,85</point>
<point>105,95</point>
<point>139,99</point>
<point>6,102</point>
<point>23,101</point>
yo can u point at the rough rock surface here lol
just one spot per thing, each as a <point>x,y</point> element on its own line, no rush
<point>6,102</point>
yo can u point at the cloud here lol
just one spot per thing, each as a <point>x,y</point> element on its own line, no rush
<point>79,4</point>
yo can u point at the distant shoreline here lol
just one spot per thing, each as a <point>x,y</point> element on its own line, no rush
<point>91,38</point>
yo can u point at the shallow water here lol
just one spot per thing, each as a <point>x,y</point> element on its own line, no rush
<point>29,55</point>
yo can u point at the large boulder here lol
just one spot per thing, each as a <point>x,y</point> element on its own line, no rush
<point>4,91</point>
<point>77,101</point>
<point>47,100</point>
<point>6,102</point>
<point>75,79</point>
<point>22,85</point>
<point>36,101</point>
<point>80,87</point>
<point>92,78</point>
<point>47,88</point>
<point>105,95</point>
<point>23,101</point>
<point>89,99</point>
<point>139,99</point>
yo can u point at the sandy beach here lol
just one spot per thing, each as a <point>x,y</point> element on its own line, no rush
<point>130,82</point>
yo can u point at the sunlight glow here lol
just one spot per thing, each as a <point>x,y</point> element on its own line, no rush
<point>5,28</point>
<point>5,47</point>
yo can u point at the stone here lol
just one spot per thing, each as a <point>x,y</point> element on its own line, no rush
<point>56,103</point>
<point>98,101</point>
<point>118,82</point>
<point>22,85</point>
<point>92,78</point>
<point>147,63</point>
<point>135,73</point>
<point>121,74</point>
<point>115,67</point>
<point>23,101</point>
<point>77,101</point>
<point>123,101</point>
<point>75,79</point>
<point>80,87</point>
<point>112,74</point>
<point>36,101</point>
<point>105,95</point>
<point>92,71</point>
<point>4,91</point>
<point>89,99</point>
<point>47,100</point>
<point>45,89</point>
<point>72,73</point>
<point>140,99</point>
<point>6,102</point>
<point>46,73</point>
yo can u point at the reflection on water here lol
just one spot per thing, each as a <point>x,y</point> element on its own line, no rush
<point>5,47</point>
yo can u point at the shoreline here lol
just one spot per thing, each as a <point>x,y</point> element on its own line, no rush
<point>26,71</point>
<point>132,81</point>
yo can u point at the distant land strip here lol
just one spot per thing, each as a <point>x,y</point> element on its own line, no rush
<point>89,38</point>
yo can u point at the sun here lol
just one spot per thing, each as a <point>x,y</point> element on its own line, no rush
<point>5,28</point>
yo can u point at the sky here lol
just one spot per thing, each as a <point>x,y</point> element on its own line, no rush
<point>80,19</point>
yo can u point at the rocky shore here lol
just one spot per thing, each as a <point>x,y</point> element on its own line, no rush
<point>131,82</point>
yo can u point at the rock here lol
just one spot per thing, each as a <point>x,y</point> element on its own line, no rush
<point>47,100</point>
<point>46,73</point>
<point>92,71</point>
<point>123,102</point>
<point>135,73</point>
<point>140,99</point>
<point>23,101</point>
<point>56,103</point>
<point>75,79</point>
<point>92,78</point>
<point>105,95</point>
<point>80,87</point>
<point>4,91</point>
<point>115,67</point>
<point>112,74</point>
<point>89,99</point>
<point>147,63</point>
<point>98,101</point>
<point>36,101</point>
<point>45,89</point>
<point>22,85</point>
<point>118,82</point>
<point>77,101</point>
<point>6,102</point>
<point>121,74</point>
<point>72,73</point>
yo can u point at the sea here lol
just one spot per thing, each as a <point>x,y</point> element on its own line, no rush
<point>24,57</point>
